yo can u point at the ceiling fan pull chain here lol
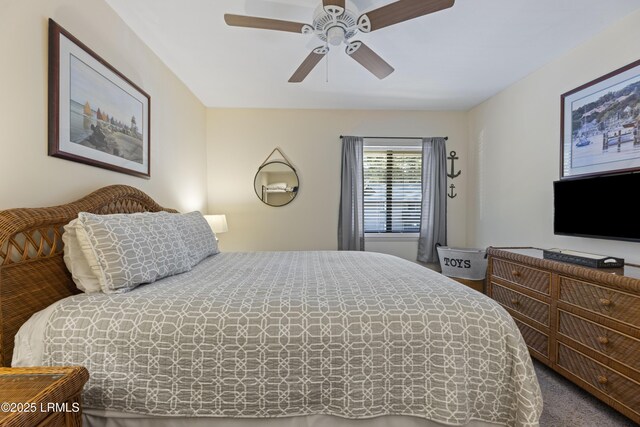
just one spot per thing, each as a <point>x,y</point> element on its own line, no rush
<point>327,68</point>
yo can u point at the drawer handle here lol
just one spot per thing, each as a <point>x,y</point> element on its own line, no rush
<point>516,273</point>
<point>605,301</point>
<point>602,379</point>
<point>603,340</point>
<point>515,302</point>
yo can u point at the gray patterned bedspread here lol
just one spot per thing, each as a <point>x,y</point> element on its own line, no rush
<point>295,333</point>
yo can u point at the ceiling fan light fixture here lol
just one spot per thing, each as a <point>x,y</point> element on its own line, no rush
<point>335,36</point>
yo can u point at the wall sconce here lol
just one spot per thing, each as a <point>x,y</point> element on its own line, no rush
<point>218,223</point>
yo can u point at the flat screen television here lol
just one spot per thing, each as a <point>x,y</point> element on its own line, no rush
<point>603,207</point>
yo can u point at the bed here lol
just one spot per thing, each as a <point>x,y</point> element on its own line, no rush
<point>271,338</point>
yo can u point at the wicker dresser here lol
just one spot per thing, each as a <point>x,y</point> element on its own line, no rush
<point>584,323</point>
<point>41,396</point>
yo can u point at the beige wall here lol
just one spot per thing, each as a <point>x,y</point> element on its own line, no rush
<point>514,148</point>
<point>31,178</point>
<point>508,146</point>
<point>239,140</point>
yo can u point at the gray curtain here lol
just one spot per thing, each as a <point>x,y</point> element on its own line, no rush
<point>433,225</point>
<point>351,216</point>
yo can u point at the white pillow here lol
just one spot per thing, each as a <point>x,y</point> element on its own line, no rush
<point>197,236</point>
<point>76,262</point>
<point>126,250</point>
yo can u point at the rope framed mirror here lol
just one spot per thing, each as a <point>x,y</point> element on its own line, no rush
<point>276,183</point>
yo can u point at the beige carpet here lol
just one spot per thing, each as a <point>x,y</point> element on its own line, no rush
<point>566,405</point>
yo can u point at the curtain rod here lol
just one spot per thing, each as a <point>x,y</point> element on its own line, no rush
<point>446,138</point>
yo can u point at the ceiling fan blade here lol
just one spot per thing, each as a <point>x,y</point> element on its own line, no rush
<point>334,7</point>
<point>369,59</point>
<point>400,11</point>
<point>339,3</point>
<point>266,23</point>
<point>308,64</point>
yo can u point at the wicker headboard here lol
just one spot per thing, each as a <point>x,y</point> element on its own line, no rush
<point>32,272</point>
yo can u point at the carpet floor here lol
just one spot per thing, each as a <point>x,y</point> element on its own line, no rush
<point>567,405</point>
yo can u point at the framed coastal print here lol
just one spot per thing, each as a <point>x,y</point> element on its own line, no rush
<point>97,116</point>
<point>601,125</point>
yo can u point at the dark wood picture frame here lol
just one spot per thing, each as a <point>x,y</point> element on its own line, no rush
<point>611,144</point>
<point>107,139</point>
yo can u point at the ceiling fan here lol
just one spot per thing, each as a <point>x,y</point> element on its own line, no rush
<point>334,24</point>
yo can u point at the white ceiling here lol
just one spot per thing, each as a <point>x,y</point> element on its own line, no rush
<point>449,60</point>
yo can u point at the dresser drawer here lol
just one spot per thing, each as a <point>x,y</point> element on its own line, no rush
<point>537,280</point>
<point>535,339</point>
<point>622,348</point>
<point>527,306</point>
<point>604,301</point>
<point>613,384</point>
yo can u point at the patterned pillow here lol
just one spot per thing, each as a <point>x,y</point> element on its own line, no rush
<point>125,250</point>
<point>197,236</point>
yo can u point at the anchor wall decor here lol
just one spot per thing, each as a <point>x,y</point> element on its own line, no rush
<point>453,158</point>
<point>453,174</point>
<point>451,194</point>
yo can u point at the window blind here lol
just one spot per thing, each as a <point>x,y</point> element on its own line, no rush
<point>392,190</point>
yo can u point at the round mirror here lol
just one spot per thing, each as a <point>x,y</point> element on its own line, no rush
<point>276,183</point>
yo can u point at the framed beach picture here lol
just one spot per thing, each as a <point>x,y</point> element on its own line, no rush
<point>601,125</point>
<point>97,116</point>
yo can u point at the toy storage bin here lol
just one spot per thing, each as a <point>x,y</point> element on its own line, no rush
<point>464,263</point>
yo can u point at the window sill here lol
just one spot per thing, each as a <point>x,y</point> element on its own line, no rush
<point>391,237</point>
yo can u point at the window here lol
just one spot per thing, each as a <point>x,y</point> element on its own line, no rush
<point>392,189</point>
